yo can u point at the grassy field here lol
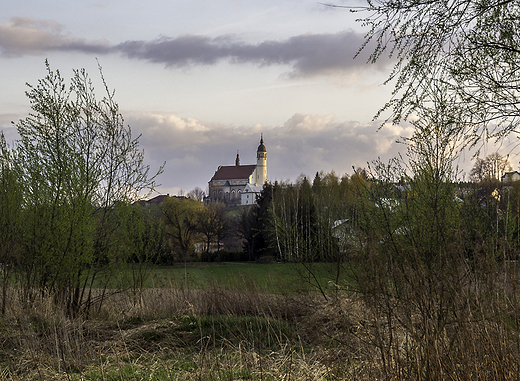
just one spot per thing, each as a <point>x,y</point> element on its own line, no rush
<point>245,321</point>
<point>272,278</point>
<point>228,321</point>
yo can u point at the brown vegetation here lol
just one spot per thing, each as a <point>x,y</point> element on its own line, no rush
<point>459,325</point>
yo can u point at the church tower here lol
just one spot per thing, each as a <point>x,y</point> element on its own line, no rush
<point>261,163</point>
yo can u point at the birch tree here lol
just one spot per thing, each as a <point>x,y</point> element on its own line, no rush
<point>469,46</point>
<point>79,162</point>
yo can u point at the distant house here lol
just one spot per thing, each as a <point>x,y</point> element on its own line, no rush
<point>230,182</point>
<point>510,177</point>
<point>249,194</point>
<point>345,234</point>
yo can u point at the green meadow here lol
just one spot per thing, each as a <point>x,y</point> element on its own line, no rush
<point>270,278</point>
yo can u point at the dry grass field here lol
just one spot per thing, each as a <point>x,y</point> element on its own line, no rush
<point>214,333</point>
<point>170,334</point>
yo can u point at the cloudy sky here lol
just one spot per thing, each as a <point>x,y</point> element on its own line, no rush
<point>201,79</point>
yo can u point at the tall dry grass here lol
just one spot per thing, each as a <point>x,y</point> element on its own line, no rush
<point>453,316</point>
<point>406,322</point>
<point>165,330</point>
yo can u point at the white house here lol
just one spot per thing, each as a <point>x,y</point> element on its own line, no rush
<point>510,177</point>
<point>249,194</point>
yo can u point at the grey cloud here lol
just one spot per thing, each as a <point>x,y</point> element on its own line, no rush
<point>22,36</point>
<point>308,54</point>
<point>179,52</point>
<point>305,55</point>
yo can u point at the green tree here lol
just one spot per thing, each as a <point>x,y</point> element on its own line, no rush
<point>413,271</point>
<point>11,202</point>
<point>332,206</point>
<point>79,163</point>
<point>432,212</point>
<point>257,221</point>
<point>142,242</point>
<point>307,224</point>
<point>511,208</point>
<point>243,228</point>
<point>182,218</point>
<point>284,221</point>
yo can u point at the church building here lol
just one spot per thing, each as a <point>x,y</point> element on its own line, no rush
<point>239,184</point>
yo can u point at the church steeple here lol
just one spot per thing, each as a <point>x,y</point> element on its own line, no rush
<point>261,163</point>
<point>237,160</point>
<point>261,147</point>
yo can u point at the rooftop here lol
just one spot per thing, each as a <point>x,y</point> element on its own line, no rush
<point>232,172</point>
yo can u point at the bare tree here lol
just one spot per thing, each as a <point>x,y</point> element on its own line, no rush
<point>213,225</point>
<point>196,193</point>
<point>469,46</point>
<point>492,167</point>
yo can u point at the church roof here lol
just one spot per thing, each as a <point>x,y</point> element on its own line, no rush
<point>253,188</point>
<point>233,172</point>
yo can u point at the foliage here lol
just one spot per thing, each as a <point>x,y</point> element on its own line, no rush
<point>468,46</point>
<point>313,223</point>
<point>243,228</point>
<point>10,215</point>
<point>432,210</point>
<point>252,225</point>
<point>423,272</point>
<point>182,218</point>
<point>79,166</point>
<point>142,244</point>
<point>213,225</point>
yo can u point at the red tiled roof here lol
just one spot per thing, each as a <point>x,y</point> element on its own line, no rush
<point>232,172</point>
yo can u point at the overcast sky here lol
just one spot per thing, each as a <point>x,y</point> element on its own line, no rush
<point>201,79</point>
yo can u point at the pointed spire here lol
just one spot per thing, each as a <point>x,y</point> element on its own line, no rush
<point>261,147</point>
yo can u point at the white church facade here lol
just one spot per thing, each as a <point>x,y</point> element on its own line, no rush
<point>239,184</point>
